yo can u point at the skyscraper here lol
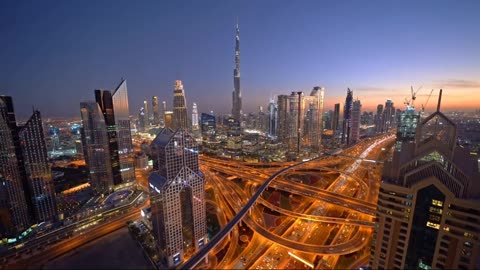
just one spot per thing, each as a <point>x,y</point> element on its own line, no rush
<point>388,116</point>
<point>237,94</point>
<point>147,113</point>
<point>379,119</point>
<point>38,172</point>
<point>179,107</point>
<point>356,113</point>
<point>14,210</point>
<point>156,112</point>
<point>272,118</point>
<point>347,117</point>
<point>177,196</point>
<point>282,115</point>
<point>428,215</point>
<point>142,120</point>
<point>336,117</point>
<point>313,106</point>
<point>96,146</point>
<point>124,140</point>
<point>195,126</point>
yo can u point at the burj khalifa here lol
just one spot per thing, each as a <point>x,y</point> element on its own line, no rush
<point>237,94</point>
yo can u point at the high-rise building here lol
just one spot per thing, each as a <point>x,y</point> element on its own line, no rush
<point>347,117</point>
<point>142,120</point>
<point>406,127</point>
<point>177,196</point>
<point>116,113</point>
<point>156,111</point>
<point>38,171</point>
<point>96,147</point>
<point>388,116</point>
<point>122,122</point>
<point>282,116</point>
<point>336,117</point>
<point>162,114</point>
<point>14,206</point>
<point>313,117</point>
<point>293,121</point>
<point>147,113</point>
<point>379,119</point>
<point>356,113</point>
<point>179,107</point>
<point>168,119</point>
<point>195,125</point>
<point>428,215</point>
<point>208,124</point>
<point>272,118</point>
<point>237,94</point>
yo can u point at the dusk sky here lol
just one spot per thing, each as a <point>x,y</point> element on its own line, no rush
<point>53,54</point>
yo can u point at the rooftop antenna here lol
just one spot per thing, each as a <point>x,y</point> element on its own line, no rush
<point>439,100</point>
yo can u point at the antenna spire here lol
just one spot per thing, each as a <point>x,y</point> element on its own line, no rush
<point>439,100</point>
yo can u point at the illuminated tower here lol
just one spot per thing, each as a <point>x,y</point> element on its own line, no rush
<point>237,94</point>
<point>179,107</point>
<point>96,147</point>
<point>38,172</point>
<point>272,119</point>
<point>195,126</point>
<point>177,196</point>
<point>156,112</point>
<point>336,117</point>
<point>14,210</point>
<point>355,129</point>
<point>347,117</point>
<point>428,215</point>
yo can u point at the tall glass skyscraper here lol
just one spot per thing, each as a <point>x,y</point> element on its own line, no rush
<point>179,107</point>
<point>347,117</point>
<point>156,111</point>
<point>356,113</point>
<point>237,94</point>
<point>177,196</point>
<point>38,171</point>
<point>14,210</point>
<point>96,147</point>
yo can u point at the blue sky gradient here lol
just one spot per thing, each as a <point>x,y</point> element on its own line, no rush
<point>53,54</point>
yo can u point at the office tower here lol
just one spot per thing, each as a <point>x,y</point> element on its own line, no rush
<point>328,119</point>
<point>38,172</point>
<point>124,135</point>
<point>379,119</point>
<point>177,196</point>
<point>147,114</point>
<point>14,210</point>
<point>168,119</point>
<point>293,123</point>
<point>272,119</point>
<point>195,126</point>
<point>96,147</point>
<point>237,94</point>
<point>208,124</point>
<point>313,106</point>
<point>355,130</point>
<point>179,107</point>
<point>428,215</point>
<point>142,121</point>
<point>282,114</point>
<point>347,117</point>
<point>388,116</point>
<point>336,117</point>
<point>162,113</point>
<point>156,112</point>
<point>406,127</point>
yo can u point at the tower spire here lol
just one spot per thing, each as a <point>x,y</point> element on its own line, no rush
<point>237,94</point>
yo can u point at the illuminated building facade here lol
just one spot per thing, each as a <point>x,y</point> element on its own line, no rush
<point>347,117</point>
<point>177,196</point>
<point>14,210</point>
<point>356,113</point>
<point>282,116</point>
<point>156,111</point>
<point>237,94</point>
<point>179,107</point>
<point>41,191</point>
<point>195,126</point>
<point>379,119</point>
<point>388,121</point>
<point>96,147</point>
<point>336,117</point>
<point>428,215</point>
<point>272,119</point>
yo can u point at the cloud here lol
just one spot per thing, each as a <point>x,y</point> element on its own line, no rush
<point>457,83</point>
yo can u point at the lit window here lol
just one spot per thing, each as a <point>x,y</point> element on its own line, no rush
<point>433,225</point>
<point>437,202</point>
<point>436,210</point>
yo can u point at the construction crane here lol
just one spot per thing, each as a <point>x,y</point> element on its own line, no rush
<point>423,106</point>
<point>414,93</point>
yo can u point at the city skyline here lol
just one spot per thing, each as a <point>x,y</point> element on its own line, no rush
<point>414,45</point>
